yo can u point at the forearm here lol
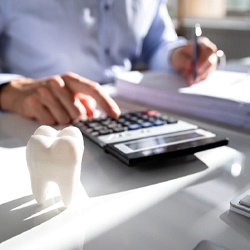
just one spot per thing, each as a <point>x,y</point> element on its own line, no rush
<point>5,79</point>
<point>161,59</point>
<point>160,41</point>
<point>1,87</point>
<point>7,93</point>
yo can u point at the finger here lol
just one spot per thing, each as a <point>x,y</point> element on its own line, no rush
<point>35,110</point>
<point>207,50</point>
<point>207,67</point>
<point>181,60</point>
<point>205,73</point>
<point>81,108</point>
<point>187,72</point>
<point>88,102</point>
<point>180,56</point>
<point>210,46</point>
<point>50,102</point>
<point>64,96</point>
<point>207,60</point>
<point>209,64</point>
<point>79,84</point>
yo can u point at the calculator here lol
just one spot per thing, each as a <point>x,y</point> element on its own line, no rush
<point>147,135</point>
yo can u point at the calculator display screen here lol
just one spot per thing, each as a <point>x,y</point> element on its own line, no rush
<point>161,140</point>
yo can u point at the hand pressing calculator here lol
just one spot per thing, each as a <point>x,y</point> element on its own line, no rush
<point>146,135</point>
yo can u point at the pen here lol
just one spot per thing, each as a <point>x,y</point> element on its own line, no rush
<point>196,34</point>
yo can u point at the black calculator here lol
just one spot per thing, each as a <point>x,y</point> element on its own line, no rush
<point>146,135</point>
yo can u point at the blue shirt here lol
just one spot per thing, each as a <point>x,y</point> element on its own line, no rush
<point>94,38</point>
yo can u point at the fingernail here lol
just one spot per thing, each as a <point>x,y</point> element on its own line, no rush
<point>116,111</point>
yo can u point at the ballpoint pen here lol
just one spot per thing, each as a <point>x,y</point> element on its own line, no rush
<point>196,34</point>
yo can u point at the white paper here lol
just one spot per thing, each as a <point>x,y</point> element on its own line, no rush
<point>224,85</point>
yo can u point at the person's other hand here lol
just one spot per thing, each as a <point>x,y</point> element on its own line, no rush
<point>181,60</point>
<point>57,99</point>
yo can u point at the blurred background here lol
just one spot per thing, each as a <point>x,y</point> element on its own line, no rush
<point>225,22</point>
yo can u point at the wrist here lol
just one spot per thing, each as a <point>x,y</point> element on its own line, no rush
<point>8,95</point>
<point>2,87</point>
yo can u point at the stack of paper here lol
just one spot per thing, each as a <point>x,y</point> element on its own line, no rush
<point>223,97</point>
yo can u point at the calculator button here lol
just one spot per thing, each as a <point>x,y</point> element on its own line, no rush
<point>93,124</point>
<point>152,113</point>
<point>144,117</point>
<point>97,128</point>
<point>146,124</point>
<point>81,126</point>
<point>133,126</point>
<point>126,123</point>
<point>140,121</point>
<point>121,120</point>
<point>119,129</point>
<point>125,116</point>
<point>172,120</point>
<point>95,133</point>
<point>151,119</point>
<point>133,118</point>
<point>88,130</point>
<point>105,131</point>
<point>169,119</point>
<point>106,122</point>
<point>158,122</point>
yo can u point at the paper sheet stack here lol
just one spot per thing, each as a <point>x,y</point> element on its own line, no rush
<point>223,97</point>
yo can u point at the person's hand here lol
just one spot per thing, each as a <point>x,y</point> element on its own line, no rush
<point>57,99</point>
<point>181,60</point>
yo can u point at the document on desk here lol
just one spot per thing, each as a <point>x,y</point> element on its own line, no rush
<point>222,97</point>
<point>232,86</point>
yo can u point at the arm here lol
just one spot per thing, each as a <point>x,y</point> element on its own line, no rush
<point>57,99</point>
<point>161,40</point>
<point>164,50</point>
<point>4,13</point>
<point>4,80</point>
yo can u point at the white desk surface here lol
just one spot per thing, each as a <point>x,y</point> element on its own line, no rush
<point>171,206</point>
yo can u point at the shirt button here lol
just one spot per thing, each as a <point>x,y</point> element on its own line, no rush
<point>107,51</point>
<point>106,7</point>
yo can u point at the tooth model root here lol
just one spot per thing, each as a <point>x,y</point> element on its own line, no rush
<point>55,156</point>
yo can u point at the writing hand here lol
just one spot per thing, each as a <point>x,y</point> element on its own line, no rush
<point>181,60</point>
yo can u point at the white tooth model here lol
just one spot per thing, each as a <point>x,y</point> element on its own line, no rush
<point>55,156</point>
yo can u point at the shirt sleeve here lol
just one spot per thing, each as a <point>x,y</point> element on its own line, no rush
<point>160,40</point>
<point>4,78</point>
<point>2,21</point>
<point>4,10</point>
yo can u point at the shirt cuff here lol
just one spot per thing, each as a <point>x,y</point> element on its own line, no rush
<point>8,77</point>
<point>161,59</point>
<point>5,78</point>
